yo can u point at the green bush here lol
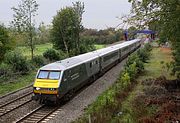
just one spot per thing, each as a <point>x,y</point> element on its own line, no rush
<point>148,47</point>
<point>135,58</point>
<point>38,61</point>
<point>125,79</point>
<point>144,53</point>
<point>86,45</point>
<point>5,69</point>
<point>6,42</point>
<point>51,54</point>
<point>18,62</point>
<point>131,70</point>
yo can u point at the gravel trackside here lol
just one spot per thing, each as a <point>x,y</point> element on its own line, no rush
<point>75,107</point>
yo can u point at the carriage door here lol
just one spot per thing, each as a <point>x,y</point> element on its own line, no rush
<point>91,68</point>
<point>93,65</point>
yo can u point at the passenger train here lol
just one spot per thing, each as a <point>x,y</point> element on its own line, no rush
<point>62,78</point>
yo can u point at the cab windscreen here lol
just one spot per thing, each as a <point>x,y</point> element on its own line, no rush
<point>48,74</point>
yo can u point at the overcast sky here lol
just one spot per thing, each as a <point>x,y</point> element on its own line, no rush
<point>99,14</point>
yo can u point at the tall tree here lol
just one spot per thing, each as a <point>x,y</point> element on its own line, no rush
<point>63,33</point>
<point>24,20</point>
<point>79,10</point>
<point>5,42</point>
<point>164,13</point>
<point>67,25</point>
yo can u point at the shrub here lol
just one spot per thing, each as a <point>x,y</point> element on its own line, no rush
<point>18,62</point>
<point>86,45</point>
<point>148,47</point>
<point>135,58</point>
<point>38,61</point>
<point>144,53</point>
<point>6,42</point>
<point>5,69</point>
<point>131,70</point>
<point>125,79</point>
<point>51,54</point>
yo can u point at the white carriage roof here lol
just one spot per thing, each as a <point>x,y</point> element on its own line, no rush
<point>70,62</point>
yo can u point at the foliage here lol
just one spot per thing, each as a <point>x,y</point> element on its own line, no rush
<point>18,62</point>
<point>131,70</point>
<point>136,58</point>
<point>38,60</point>
<point>5,69</point>
<point>86,45</point>
<point>5,42</point>
<point>79,10</point>
<point>165,14</point>
<point>106,36</point>
<point>131,32</point>
<point>66,28</point>
<point>125,79</point>
<point>135,62</point>
<point>145,53</point>
<point>51,54</point>
<point>43,34</point>
<point>23,20</point>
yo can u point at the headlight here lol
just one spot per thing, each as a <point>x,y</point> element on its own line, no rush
<point>52,89</point>
<point>36,88</point>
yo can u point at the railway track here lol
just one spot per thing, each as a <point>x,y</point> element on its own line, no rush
<point>38,115</point>
<point>15,103</point>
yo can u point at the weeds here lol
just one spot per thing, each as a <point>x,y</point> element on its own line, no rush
<point>108,107</point>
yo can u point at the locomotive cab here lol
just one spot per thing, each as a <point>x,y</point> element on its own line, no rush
<point>46,85</point>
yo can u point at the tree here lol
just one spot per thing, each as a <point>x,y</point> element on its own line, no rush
<point>43,35</point>
<point>65,33</point>
<point>5,42</point>
<point>79,10</point>
<point>23,20</point>
<point>131,32</point>
<point>166,14</point>
<point>64,30</point>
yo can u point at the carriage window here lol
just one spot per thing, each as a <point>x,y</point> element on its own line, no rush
<point>108,57</point>
<point>90,64</point>
<point>96,62</point>
<point>54,75</point>
<point>43,74</point>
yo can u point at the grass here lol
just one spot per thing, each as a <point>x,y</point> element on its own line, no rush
<point>39,49</point>
<point>157,64</point>
<point>99,46</point>
<point>17,83</point>
<point>153,69</point>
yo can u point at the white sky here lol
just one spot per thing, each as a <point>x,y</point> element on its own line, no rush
<point>99,14</point>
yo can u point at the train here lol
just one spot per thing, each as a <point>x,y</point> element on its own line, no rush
<point>62,78</point>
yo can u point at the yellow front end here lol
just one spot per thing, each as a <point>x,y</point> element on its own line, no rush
<point>46,86</point>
